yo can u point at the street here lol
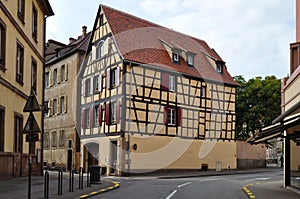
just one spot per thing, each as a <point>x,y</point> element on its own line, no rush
<point>226,186</point>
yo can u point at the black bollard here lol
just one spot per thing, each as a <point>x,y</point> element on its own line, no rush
<point>46,185</point>
<point>60,177</point>
<point>80,178</point>
<point>71,181</point>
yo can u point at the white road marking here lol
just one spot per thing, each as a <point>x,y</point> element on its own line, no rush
<point>212,179</point>
<point>182,185</point>
<point>171,195</point>
<point>257,179</point>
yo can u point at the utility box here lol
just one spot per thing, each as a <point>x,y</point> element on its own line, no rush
<point>218,166</point>
<point>95,174</point>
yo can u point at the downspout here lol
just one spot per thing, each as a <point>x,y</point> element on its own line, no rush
<point>43,98</point>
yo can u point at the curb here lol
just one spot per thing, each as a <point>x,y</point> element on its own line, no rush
<point>248,192</point>
<point>114,186</point>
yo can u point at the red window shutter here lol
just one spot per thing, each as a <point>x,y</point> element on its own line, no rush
<point>179,116</point>
<point>118,112</point>
<point>83,118</point>
<point>92,117</point>
<point>100,115</point>
<point>117,76</point>
<point>165,81</point>
<point>83,87</point>
<point>108,79</point>
<point>166,112</point>
<point>107,113</point>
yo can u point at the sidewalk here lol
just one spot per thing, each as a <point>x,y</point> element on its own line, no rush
<point>17,188</point>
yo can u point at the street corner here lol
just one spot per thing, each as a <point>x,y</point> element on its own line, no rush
<point>248,192</point>
<point>111,186</point>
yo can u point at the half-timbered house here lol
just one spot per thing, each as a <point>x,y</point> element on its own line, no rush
<point>153,98</point>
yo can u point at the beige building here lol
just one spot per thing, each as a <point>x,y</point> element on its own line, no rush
<point>153,98</point>
<point>22,38</point>
<point>61,142</point>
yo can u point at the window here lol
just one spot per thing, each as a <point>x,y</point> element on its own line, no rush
<point>220,69</point>
<point>18,143</point>
<point>171,116</point>
<point>203,92</point>
<point>62,73</point>
<point>20,63</point>
<point>176,58</point>
<point>46,108</point>
<point>34,22</point>
<point>21,9</point>
<point>33,74</point>
<point>101,20</point>
<point>113,112</point>
<point>62,104</point>
<point>61,141</point>
<point>2,44</point>
<point>97,83</point>
<point>54,139</point>
<point>96,116</point>
<point>55,76</point>
<point>113,77</point>
<point>47,78</point>
<point>87,87</point>
<point>2,123</point>
<point>172,83</point>
<point>190,60</point>
<point>54,106</point>
<point>46,140</point>
<point>100,50</point>
<point>87,120</point>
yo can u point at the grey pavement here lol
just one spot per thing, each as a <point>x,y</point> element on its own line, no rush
<point>18,187</point>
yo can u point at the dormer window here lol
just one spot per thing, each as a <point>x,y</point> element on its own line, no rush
<point>220,67</point>
<point>190,59</point>
<point>176,58</point>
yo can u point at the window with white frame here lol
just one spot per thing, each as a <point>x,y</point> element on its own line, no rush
<point>87,87</point>
<point>47,80</point>
<point>100,50</point>
<point>96,115</point>
<point>176,58</point>
<point>171,116</point>
<point>190,60</point>
<point>172,83</point>
<point>113,115</point>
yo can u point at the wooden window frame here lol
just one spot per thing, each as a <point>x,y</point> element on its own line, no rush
<point>18,135</point>
<point>21,10</point>
<point>2,45</point>
<point>2,128</point>
<point>33,74</point>
<point>19,63</point>
<point>34,23</point>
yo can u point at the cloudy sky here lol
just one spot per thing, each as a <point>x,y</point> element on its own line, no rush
<point>252,36</point>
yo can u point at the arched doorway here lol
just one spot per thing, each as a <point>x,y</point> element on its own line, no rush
<point>91,155</point>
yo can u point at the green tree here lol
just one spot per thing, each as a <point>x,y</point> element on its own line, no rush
<point>257,104</point>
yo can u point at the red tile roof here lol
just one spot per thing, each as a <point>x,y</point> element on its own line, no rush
<point>142,41</point>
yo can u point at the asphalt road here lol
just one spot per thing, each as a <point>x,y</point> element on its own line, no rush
<point>214,187</point>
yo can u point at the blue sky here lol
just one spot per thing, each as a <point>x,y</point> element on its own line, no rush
<point>252,36</point>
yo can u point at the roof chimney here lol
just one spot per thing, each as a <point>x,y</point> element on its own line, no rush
<point>71,40</point>
<point>84,31</point>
